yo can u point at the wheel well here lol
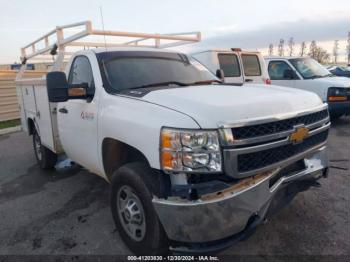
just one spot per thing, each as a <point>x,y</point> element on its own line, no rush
<point>116,154</point>
<point>31,126</point>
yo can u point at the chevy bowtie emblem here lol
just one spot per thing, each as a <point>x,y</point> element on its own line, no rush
<point>299,134</point>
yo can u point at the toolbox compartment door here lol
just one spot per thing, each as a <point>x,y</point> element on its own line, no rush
<point>36,106</point>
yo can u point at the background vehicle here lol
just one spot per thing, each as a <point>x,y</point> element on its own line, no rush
<point>238,66</point>
<point>305,73</point>
<point>193,164</point>
<point>340,71</point>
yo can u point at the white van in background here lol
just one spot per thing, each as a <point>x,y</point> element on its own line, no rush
<point>307,74</point>
<point>238,66</point>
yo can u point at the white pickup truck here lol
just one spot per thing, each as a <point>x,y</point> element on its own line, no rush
<point>307,74</point>
<point>194,164</point>
<point>235,65</point>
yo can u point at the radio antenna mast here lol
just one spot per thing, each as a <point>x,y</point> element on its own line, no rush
<point>103,27</point>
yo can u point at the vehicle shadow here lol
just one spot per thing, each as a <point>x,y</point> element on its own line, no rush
<point>343,121</point>
<point>33,181</point>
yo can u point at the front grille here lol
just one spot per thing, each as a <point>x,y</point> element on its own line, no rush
<point>278,126</point>
<point>261,159</point>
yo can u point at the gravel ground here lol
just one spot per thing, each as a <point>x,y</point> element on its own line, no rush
<point>66,212</point>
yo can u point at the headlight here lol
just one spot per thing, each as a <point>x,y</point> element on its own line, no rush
<point>190,151</point>
<point>337,94</point>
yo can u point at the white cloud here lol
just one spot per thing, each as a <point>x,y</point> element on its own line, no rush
<point>322,30</point>
<point>224,29</point>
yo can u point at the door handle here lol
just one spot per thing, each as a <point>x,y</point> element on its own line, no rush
<point>249,80</point>
<point>63,110</point>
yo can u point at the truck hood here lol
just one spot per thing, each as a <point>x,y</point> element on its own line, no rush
<point>213,105</point>
<point>335,81</point>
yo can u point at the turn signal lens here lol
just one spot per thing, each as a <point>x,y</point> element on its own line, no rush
<point>170,160</point>
<point>337,98</point>
<point>170,139</point>
<point>166,140</point>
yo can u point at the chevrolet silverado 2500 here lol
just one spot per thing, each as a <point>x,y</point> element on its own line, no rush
<point>194,164</point>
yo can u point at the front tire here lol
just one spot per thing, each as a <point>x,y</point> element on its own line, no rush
<point>133,211</point>
<point>44,156</point>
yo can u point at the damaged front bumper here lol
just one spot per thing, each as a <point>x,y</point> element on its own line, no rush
<point>219,218</point>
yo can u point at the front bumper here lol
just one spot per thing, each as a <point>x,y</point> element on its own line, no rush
<point>339,108</point>
<point>223,214</point>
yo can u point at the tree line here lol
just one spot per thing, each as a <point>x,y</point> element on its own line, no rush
<point>314,51</point>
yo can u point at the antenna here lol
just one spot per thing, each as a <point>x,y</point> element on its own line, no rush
<point>103,27</point>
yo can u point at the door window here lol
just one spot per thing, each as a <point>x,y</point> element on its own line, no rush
<point>276,70</point>
<point>81,72</point>
<point>230,65</point>
<point>251,65</point>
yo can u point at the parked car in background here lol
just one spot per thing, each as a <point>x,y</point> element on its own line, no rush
<point>238,66</point>
<point>307,74</point>
<point>340,71</point>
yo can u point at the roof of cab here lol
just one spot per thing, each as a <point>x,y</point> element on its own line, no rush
<point>114,49</point>
<point>223,50</point>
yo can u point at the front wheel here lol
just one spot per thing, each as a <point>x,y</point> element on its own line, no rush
<point>44,156</point>
<point>133,211</point>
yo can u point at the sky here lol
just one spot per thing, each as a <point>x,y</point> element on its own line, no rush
<point>250,24</point>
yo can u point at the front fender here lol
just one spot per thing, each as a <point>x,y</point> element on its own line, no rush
<point>138,123</point>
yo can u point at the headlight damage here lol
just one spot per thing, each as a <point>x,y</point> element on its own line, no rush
<point>190,151</point>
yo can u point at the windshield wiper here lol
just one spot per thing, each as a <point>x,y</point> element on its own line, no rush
<point>315,76</point>
<point>206,82</point>
<point>160,84</point>
<point>321,76</point>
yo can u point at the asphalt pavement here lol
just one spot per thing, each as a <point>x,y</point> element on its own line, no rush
<point>67,212</point>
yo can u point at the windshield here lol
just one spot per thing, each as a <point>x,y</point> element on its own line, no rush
<point>140,69</point>
<point>309,68</point>
<point>344,69</point>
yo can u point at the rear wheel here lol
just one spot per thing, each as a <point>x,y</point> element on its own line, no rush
<point>44,156</point>
<point>133,211</point>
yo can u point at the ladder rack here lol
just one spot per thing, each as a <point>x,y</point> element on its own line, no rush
<point>56,41</point>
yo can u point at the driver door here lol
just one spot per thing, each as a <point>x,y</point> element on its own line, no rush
<point>77,119</point>
<point>276,70</point>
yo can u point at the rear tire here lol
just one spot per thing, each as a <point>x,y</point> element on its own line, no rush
<point>133,212</point>
<point>44,156</point>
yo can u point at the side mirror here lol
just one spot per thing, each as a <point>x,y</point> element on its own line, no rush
<point>220,74</point>
<point>289,74</point>
<point>58,89</point>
